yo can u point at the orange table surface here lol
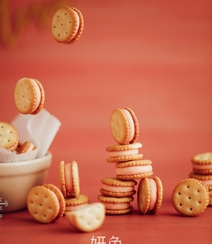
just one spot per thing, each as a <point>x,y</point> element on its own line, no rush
<point>151,56</point>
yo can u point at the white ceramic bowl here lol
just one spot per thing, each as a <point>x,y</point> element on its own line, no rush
<point>16,179</point>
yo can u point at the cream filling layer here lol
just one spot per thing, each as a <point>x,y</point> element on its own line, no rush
<point>37,92</point>
<point>153,194</point>
<point>123,153</point>
<point>134,170</point>
<point>68,178</point>
<point>117,188</point>
<point>72,208</point>
<point>131,124</point>
<point>207,182</point>
<point>30,148</point>
<point>116,206</point>
<point>205,166</point>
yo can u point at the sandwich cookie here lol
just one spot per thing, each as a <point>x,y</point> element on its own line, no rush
<point>29,96</point>
<point>190,197</point>
<point>137,169</point>
<point>8,136</point>
<point>124,126</point>
<point>149,195</point>
<point>25,147</point>
<point>117,188</point>
<point>206,179</point>
<point>69,179</point>
<point>73,203</point>
<point>202,163</point>
<point>116,205</point>
<point>120,153</point>
<point>88,218</point>
<point>45,203</point>
<point>67,25</point>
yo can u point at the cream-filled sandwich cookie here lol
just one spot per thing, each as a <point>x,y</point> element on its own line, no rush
<point>206,179</point>
<point>202,163</point>
<point>124,126</point>
<point>137,169</point>
<point>69,179</point>
<point>29,96</point>
<point>67,25</point>
<point>149,195</point>
<point>117,188</point>
<point>25,147</point>
<point>116,205</point>
<point>74,203</point>
<point>120,153</point>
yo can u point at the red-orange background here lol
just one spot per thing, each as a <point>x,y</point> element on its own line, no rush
<point>152,56</point>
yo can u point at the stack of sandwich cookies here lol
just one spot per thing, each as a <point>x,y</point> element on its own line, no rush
<point>202,170</point>
<point>129,166</point>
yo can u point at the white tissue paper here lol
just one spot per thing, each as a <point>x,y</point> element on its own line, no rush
<point>40,129</point>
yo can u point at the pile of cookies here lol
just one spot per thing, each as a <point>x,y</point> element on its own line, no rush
<point>202,170</point>
<point>117,192</point>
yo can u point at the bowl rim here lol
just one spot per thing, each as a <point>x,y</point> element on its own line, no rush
<point>37,164</point>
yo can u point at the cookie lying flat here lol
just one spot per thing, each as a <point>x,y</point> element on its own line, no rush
<point>121,153</point>
<point>190,197</point>
<point>124,126</point>
<point>67,25</point>
<point>117,188</point>
<point>45,203</point>
<point>136,169</point>
<point>29,96</point>
<point>202,163</point>
<point>149,195</point>
<point>88,218</point>
<point>8,136</point>
<point>116,205</point>
<point>74,203</point>
<point>69,179</point>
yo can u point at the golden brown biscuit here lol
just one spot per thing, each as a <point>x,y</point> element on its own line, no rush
<point>8,136</point>
<point>190,197</point>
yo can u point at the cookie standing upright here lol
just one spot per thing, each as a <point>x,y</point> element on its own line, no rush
<point>29,96</point>
<point>124,126</point>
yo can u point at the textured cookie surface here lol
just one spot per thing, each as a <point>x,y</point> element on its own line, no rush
<point>62,178</point>
<point>202,163</point>
<point>159,194</point>
<point>75,201</point>
<point>60,198</point>
<point>8,136</point>
<point>27,95</point>
<point>42,204</point>
<point>190,197</point>
<point>136,124</point>
<point>65,24</point>
<point>88,218</point>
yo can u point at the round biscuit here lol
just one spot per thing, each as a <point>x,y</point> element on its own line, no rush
<point>190,197</point>
<point>8,136</point>
<point>124,158</point>
<point>60,198</point>
<point>75,201</point>
<point>119,126</point>
<point>119,211</point>
<point>75,178</point>
<point>203,158</point>
<point>42,204</point>
<point>143,195</point>
<point>117,148</point>
<point>159,194</point>
<point>65,24</point>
